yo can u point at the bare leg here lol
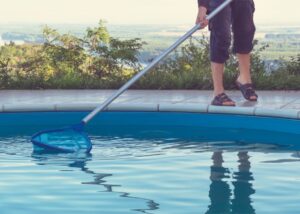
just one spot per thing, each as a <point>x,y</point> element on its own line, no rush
<point>217,74</point>
<point>244,67</point>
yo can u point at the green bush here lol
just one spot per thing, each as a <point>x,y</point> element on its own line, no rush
<point>66,61</point>
<point>99,61</point>
<point>189,68</point>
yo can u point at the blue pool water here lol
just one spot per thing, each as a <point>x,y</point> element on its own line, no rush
<point>154,166</point>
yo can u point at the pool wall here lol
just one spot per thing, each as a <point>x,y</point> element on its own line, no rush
<point>150,114</point>
<point>191,121</point>
<point>200,127</point>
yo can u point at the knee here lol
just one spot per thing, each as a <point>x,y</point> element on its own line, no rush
<point>247,30</point>
<point>243,40</point>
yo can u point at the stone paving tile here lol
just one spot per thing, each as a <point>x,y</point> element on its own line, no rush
<point>267,99</point>
<point>58,96</point>
<point>297,101</point>
<point>293,106</point>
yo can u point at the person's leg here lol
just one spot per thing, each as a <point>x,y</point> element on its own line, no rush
<point>244,67</point>
<point>220,39</point>
<point>217,75</point>
<point>243,31</point>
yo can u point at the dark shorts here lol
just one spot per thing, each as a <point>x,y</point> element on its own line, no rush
<point>236,18</point>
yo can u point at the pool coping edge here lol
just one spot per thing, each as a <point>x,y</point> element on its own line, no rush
<point>150,107</point>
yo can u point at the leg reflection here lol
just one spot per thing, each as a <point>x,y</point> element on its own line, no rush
<point>219,192</point>
<point>243,188</point>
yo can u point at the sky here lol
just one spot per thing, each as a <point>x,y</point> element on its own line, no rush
<point>132,11</point>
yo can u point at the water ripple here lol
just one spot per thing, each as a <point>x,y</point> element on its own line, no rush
<point>128,175</point>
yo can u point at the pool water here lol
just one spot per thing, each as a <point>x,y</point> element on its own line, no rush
<point>129,174</point>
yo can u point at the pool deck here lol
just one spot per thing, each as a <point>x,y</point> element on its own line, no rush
<point>271,103</point>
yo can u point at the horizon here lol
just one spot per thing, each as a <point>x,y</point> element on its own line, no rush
<point>131,12</point>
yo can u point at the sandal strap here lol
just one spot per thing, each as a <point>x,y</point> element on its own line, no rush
<point>250,92</point>
<point>247,90</point>
<point>224,97</point>
<point>221,99</point>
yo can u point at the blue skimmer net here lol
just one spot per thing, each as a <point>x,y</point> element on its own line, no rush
<point>69,139</point>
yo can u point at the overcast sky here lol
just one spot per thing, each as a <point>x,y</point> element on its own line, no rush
<point>132,11</point>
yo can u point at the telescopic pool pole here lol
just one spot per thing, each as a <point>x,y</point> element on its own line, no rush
<point>73,138</point>
<point>152,64</point>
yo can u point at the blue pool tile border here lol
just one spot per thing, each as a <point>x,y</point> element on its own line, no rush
<point>151,107</point>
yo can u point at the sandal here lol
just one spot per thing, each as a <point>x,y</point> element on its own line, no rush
<point>221,100</point>
<point>247,91</point>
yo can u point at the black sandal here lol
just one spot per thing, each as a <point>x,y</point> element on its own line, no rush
<point>221,99</point>
<point>247,91</point>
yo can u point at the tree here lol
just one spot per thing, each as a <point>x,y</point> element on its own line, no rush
<point>110,56</point>
<point>64,53</point>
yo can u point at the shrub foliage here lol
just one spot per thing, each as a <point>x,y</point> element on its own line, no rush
<point>99,61</point>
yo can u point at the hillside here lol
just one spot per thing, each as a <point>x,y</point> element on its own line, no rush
<point>283,42</point>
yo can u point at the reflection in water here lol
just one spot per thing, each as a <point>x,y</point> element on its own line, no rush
<point>230,192</point>
<point>171,172</point>
<point>220,192</point>
<point>98,178</point>
<point>243,188</point>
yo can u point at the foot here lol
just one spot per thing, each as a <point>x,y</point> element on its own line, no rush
<point>247,90</point>
<point>222,100</point>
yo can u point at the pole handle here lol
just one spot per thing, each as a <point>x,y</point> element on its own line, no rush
<point>152,64</point>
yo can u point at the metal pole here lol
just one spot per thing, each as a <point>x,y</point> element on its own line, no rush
<point>152,64</point>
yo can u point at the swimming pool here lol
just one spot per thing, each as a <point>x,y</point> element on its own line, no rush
<point>153,162</point>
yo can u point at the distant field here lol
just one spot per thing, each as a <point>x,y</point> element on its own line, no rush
<point>284,42</point>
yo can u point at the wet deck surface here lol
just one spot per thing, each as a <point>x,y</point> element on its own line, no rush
<point>267,99</point>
